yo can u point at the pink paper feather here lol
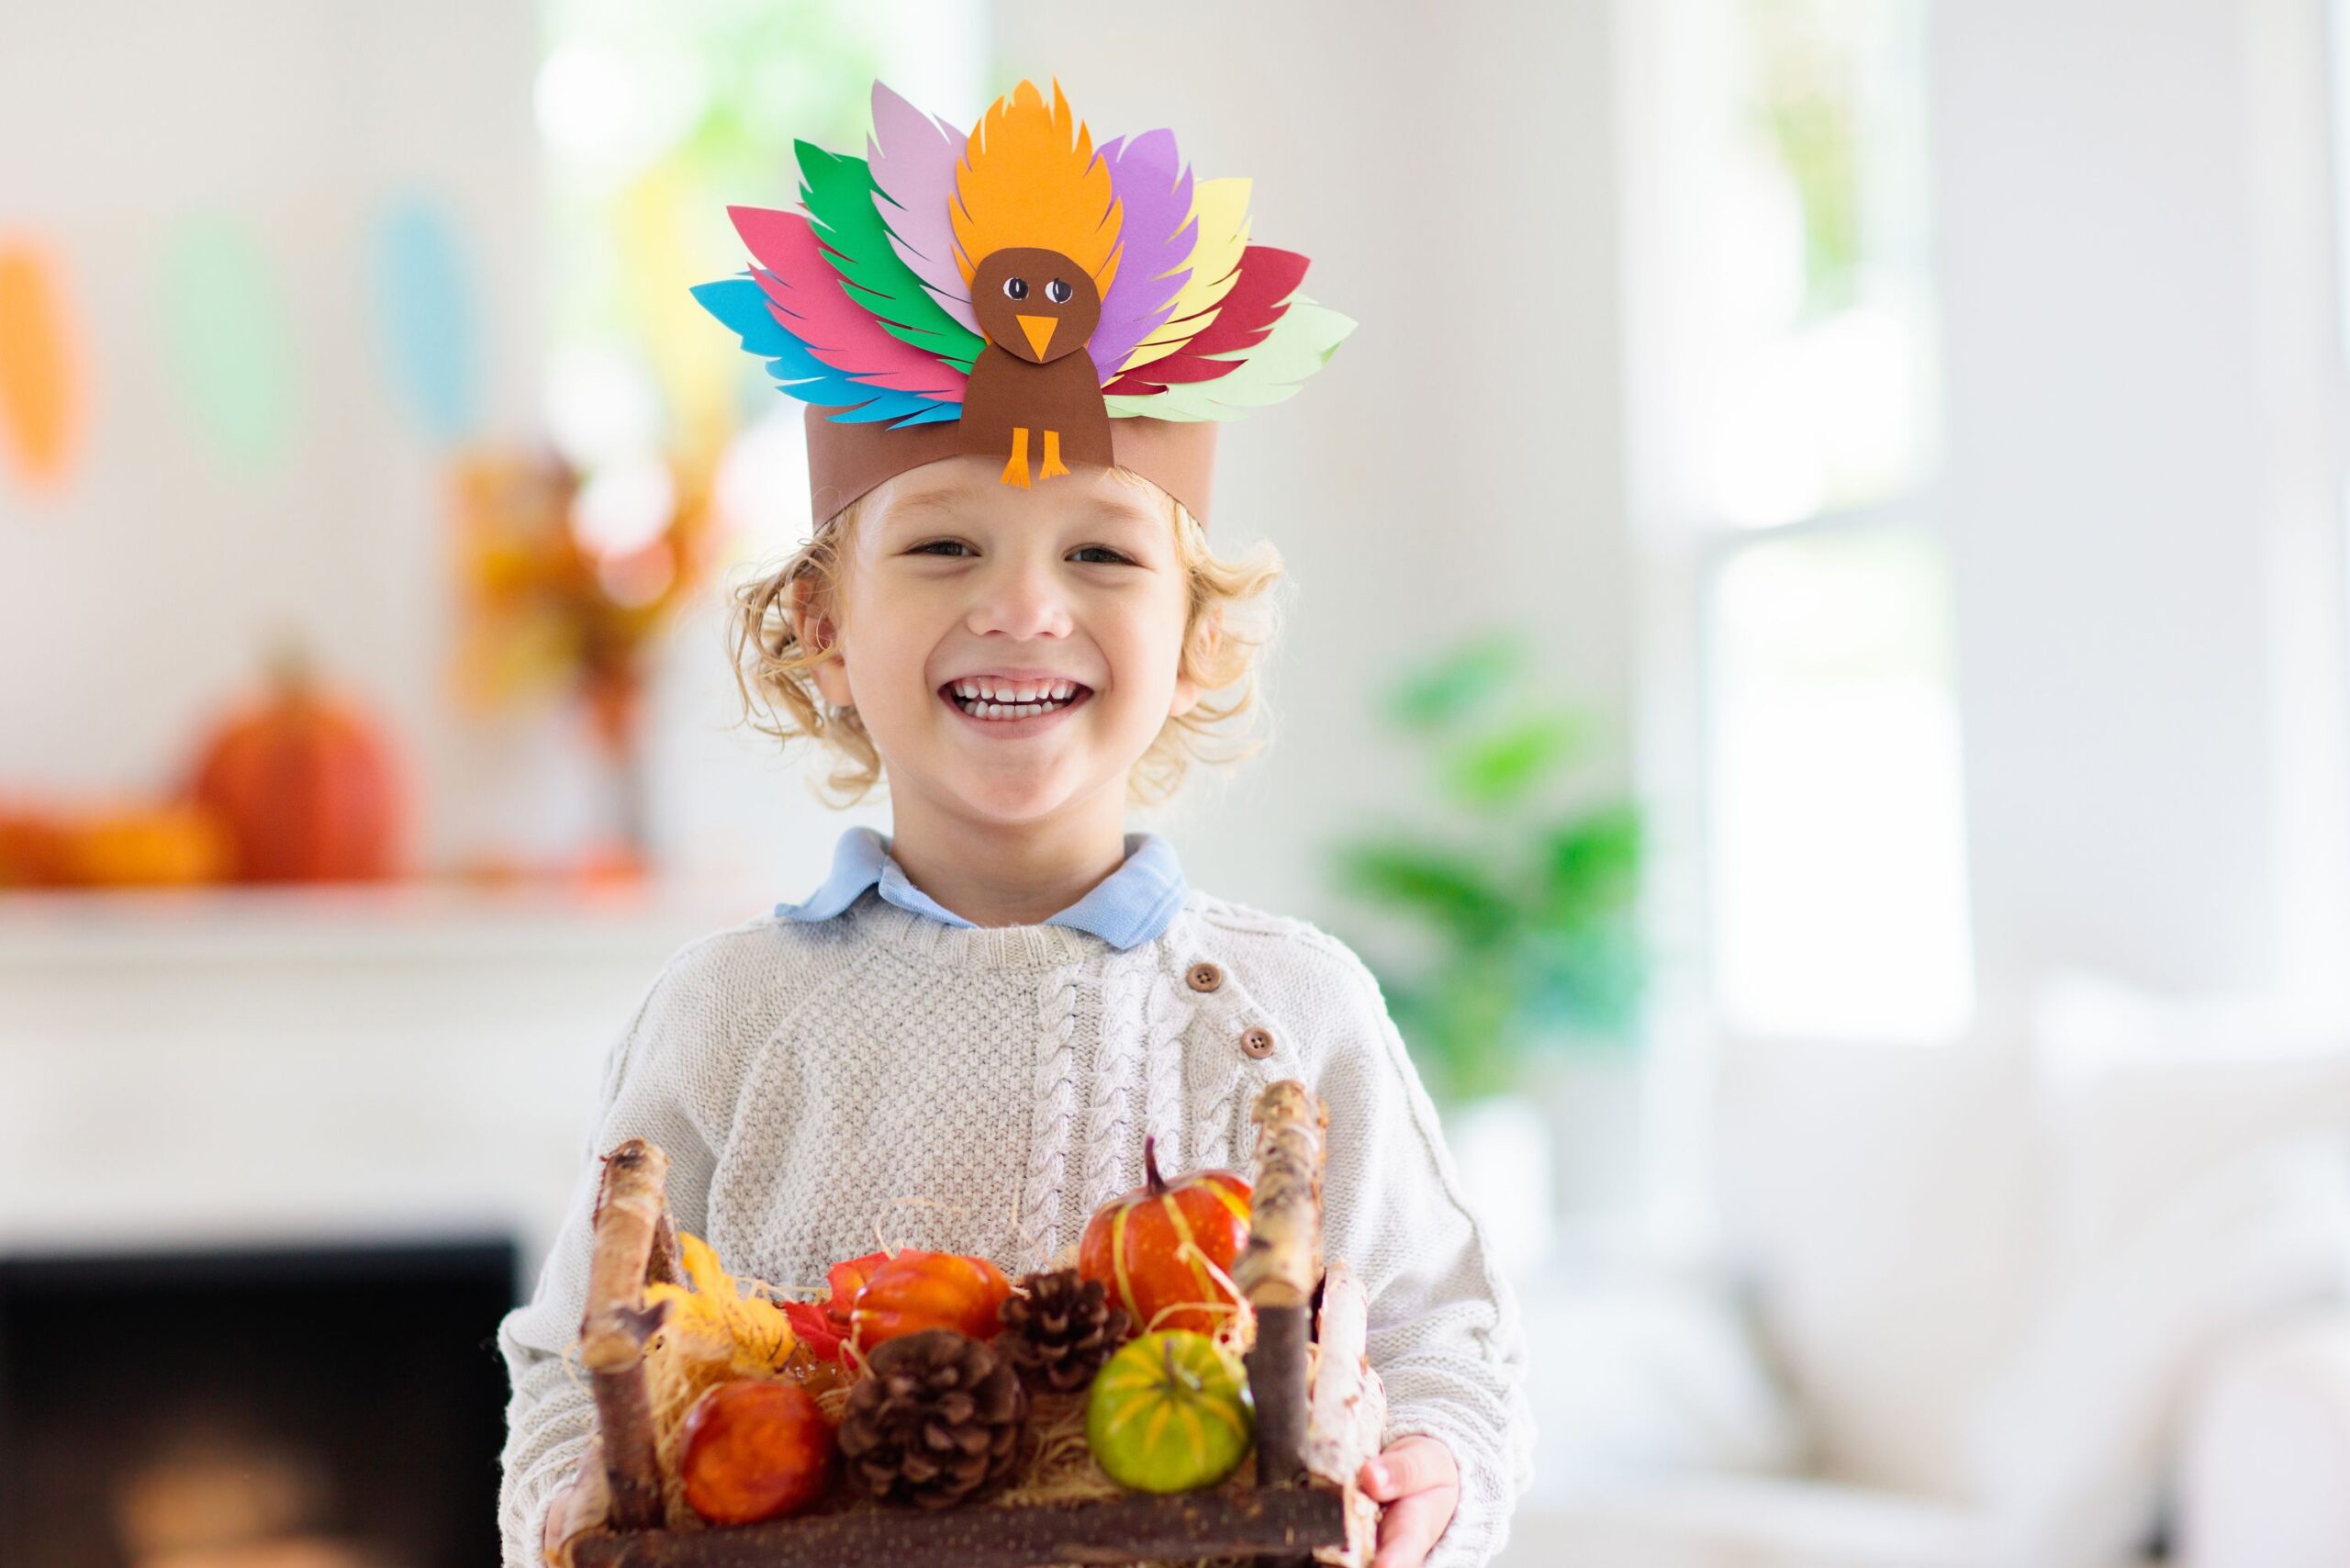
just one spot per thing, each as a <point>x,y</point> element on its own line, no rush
<point>807,298</point>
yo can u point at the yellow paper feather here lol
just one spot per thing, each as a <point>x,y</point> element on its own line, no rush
<point>714,1322</point>
<point>1029,178</point>
<point>1221,207</point>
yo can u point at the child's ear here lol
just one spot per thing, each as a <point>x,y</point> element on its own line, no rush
<point>1198,649</point>
<point>811,614</point>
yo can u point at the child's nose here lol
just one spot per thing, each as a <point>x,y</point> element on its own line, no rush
<point>1022,598</point>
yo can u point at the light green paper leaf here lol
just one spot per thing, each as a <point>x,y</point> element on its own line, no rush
<point>1300,343</point>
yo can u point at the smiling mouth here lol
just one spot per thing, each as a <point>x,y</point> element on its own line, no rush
<point>1001,701</point>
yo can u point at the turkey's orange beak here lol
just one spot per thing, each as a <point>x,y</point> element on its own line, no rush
<point>1039,330</point>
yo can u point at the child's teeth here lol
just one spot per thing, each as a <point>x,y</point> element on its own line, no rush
<point>1004,700</point>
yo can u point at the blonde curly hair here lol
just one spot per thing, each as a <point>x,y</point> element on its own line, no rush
<point>1232,618</point>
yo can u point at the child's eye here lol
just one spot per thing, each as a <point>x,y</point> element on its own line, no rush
<point>1100,556</point>
<point>940,548</point>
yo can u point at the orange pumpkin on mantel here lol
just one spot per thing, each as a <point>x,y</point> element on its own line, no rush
<point>1154,1247</point>
<point>307,784</point>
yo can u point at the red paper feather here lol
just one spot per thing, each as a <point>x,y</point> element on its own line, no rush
<point>1267,279</point>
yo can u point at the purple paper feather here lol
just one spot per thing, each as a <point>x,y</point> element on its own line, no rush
<point>1158,233</point>
<point>913,157</point>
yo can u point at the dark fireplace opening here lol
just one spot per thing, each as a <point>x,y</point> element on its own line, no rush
<point>283,1408</point>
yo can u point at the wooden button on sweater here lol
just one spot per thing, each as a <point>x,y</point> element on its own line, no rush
<point>1256,1040</point>
<point>1203,976</point>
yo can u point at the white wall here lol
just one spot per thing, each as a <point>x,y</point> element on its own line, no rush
<point>139,601</point>
<point>2130,242</point>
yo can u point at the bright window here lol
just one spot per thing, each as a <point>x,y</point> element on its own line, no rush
<point>1840,899</point>
<point>1789,454</point>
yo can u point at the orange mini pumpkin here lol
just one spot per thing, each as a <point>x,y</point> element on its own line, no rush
<point>913,1291</point>
<point>1152,1248</point>
<point>144,846</point>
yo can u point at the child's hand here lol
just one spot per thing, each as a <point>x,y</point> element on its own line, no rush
<point>1418,1486</point>
<point>578,1509</point>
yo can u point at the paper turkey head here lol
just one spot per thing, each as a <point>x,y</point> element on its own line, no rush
<point>1036,304</point>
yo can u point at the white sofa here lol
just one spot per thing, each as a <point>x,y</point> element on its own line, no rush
<point>2261,1480</point>
<point>2264,1480</point>
<point>2061,1306</point>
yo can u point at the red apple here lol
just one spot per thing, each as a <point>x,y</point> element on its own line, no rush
<point>755,1450</point>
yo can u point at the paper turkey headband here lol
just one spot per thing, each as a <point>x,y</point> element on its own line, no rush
<point>1021,294</point>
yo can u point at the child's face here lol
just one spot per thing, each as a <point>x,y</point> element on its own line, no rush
<point>1062,607</point>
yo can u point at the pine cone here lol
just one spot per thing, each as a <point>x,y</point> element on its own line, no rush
<point>1059,1329</point>
<point>936,1418</point>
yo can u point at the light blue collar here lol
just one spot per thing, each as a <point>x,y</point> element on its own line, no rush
<point>1126,908</point>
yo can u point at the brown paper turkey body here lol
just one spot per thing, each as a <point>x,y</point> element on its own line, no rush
<point>1033,388</point>
<point>1021,290</point>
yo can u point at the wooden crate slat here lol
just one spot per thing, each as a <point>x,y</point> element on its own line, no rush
<point>1281,1520</point>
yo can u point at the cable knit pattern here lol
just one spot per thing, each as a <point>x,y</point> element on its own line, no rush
<point>1163,1018</point>
<point>1056,1113</point>
<point>883,1076</point>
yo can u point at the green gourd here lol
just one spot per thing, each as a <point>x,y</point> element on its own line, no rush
<point>1170,1412</point>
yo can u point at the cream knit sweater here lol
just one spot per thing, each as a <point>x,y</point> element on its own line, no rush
<point>822,1088</point>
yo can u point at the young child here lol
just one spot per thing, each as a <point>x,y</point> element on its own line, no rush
<point>963,1037</point>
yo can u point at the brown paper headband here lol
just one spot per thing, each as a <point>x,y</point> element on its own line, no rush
<point>844,461</point>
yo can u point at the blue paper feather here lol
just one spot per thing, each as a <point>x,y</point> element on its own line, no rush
<point>743,307</point>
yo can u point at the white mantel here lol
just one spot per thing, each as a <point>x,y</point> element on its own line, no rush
<point>255,1067</point>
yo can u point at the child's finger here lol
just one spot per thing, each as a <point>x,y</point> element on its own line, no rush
<point>1408,1527</point>
<point>1415,1464</point>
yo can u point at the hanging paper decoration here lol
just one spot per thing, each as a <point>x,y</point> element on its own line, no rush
<point>226,331</point>
<point>41,380</point>
<point>428,318</point>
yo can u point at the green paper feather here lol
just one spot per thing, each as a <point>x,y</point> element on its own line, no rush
<point>1300,343</point>
<point>839,195</point>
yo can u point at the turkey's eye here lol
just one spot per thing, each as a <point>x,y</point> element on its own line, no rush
<point>1015,289</point>
<point>1057,292</point>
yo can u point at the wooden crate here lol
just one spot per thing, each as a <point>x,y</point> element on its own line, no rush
<point>1285,1517</point>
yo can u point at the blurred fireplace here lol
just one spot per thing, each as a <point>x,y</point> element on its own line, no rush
<point>287,1407</point>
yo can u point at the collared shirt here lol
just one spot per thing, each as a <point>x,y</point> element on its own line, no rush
<point>1129,907</point>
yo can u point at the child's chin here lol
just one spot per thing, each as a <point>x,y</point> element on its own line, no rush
<point>1017,796</point>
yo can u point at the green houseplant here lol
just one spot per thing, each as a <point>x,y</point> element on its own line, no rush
<point>1509,901</point>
